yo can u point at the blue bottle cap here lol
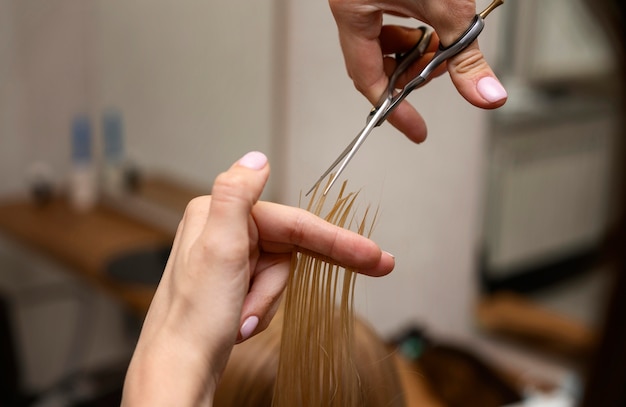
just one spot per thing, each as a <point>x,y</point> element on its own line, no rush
<point>81,139</point>
<point>113,136</point>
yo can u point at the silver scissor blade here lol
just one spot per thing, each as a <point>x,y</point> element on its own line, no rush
<point>374,121</point>
<point>356,144</point>
<point>347,154</point>
<point>334,164</point>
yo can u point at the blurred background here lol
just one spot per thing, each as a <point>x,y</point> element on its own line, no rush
<point>113,114</point>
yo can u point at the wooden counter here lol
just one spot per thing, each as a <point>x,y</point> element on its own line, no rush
<point>84,242</point>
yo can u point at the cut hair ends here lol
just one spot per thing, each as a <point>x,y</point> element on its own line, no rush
<point>315,352</point>
<point>323,359</point>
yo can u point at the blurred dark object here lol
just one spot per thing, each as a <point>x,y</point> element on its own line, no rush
<point>606,377</point>
<point>456,376</point>
<point>42,192</point>
<point>11,393</point>
<point>519,319</point>
<point>143,266</point>
<point>531,279</point>
<point>101,387</point>
<point>41,184</point>
<point>132,178</point>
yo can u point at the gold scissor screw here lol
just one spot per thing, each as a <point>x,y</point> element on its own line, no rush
<point>490,8</point>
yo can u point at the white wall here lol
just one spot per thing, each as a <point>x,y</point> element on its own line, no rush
<point>47,82</point>
<point>10,145</point>
<point>192,78</point>
<point>430,194</point>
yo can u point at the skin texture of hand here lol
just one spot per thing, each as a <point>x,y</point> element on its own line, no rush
<point>365,42</point>
<point>227,269</point>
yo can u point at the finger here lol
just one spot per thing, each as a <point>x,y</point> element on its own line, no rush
<point>371,80</point>
<point>365,65</point>
<point>283,229</point>
<point>359,32</point>
<point>475,80</point>
<point>193,222</point>
<point>469,71</point>
<point>197,211</point>
<point>399,39</point>
<point>449,18</point>
<point>264,295</point>
<point>234,193</point>
<point>409,122</point>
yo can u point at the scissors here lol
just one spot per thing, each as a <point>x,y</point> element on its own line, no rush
<point>390,99</point>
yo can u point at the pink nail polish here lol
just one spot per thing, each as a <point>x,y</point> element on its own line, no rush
<point>254,160</point>
<point>491,90</point>
<point>248,327</point>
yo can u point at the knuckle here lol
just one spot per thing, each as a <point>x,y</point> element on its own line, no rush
<point>198,204</point>
<point>333,244</point>
<point>227,181</point>
<point>264,304</point>
<point>230,186</point>
<point>460,14</point>
<point>451,22</point>
<point>471,61</point>
<point>298,231</point>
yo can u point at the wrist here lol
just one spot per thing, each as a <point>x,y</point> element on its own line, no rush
<point>168,376</point>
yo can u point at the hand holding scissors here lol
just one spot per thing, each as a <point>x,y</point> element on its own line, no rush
<point>367,43</point>
<point>390,99</point>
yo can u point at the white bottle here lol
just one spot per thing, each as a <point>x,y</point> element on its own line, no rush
<point>114,183</point>
<point>83,188</point>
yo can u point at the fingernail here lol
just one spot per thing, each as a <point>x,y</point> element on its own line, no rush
<point>389,254</point>
<point>248,327</point>
<point>491,90</point>
<point>253,160</point>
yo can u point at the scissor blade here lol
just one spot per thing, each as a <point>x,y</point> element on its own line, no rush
<point>349,152</point>
<point>374,121</point>
<point>355,145</point>
<point>334,164</point>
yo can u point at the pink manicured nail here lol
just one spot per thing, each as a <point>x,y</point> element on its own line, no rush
<point>389,254</point>
<point>248,327</point>
<point>253,160</point>
<point>491,90</point>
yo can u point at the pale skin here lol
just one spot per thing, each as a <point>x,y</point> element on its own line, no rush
<point>228,266</point>
<point>365,42</point>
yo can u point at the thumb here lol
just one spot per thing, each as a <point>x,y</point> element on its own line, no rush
<point>474,79</point>
<point>234,193</point>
